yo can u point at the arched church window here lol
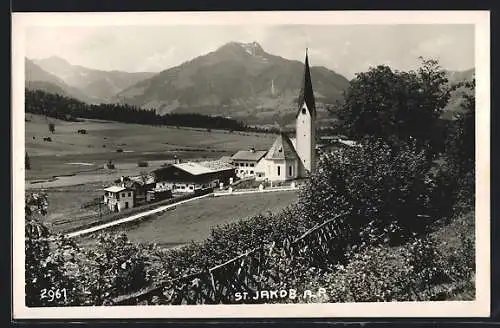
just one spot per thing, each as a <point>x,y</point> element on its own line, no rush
<point>303,110</point>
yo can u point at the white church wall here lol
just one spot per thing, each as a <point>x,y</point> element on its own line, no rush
<point>261,169</point>
<point>305,138</point>
<point>279,170</point>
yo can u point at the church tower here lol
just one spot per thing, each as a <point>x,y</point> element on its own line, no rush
<point>306,123</point>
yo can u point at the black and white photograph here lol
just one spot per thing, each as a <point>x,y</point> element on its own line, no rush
<point>251,164</point>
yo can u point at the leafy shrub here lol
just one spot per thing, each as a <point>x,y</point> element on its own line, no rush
<point>385,191</point>
<point>49,258</point>
<point>379,274</point>
<point>115,266</point>
<point>417,271</point>
<point>425,260</point>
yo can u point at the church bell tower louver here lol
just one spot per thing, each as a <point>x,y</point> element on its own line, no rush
<point>306,123</point>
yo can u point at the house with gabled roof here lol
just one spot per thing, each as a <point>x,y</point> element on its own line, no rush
<point>119,197</point>
<point>193,176</point>
<point>129,192</point>
<point>246,162</point>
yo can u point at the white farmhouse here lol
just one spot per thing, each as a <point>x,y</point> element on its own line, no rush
<point>246,162</point>
<point>118,198</point>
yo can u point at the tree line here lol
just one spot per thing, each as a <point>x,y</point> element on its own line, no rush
<point>70,109</point>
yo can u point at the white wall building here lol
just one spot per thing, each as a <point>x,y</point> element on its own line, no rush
<point>281,162</point>
<point>118,198</point>
<point>245,162</point>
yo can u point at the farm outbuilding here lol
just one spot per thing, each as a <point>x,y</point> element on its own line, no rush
<point>193,176</point>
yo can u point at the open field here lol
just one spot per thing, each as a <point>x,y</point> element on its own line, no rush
<point>192,221</point>
<point>72,153</point>
<point>65,205</point>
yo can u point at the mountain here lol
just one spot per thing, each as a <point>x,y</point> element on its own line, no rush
<point>240,80</point>
<point>99,85</point>
<point>37,78</point>
<point>459,76</point>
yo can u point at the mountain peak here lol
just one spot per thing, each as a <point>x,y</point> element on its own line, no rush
<point>252,48</point>
<point>55,60</point>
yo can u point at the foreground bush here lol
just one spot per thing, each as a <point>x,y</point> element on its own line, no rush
<point>385,191</point>
<point>417,271</point>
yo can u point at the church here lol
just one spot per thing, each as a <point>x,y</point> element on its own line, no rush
<point>287,159</point>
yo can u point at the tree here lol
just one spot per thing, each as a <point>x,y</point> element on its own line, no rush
<point>52,127</point>
<point>115,266</point>
<point>27,163</point>
<point>144,177</point>
<point>383,192</point>
<point>49,259</point>
<point>396,105</point>
<point>460,146</point>
<point>461,142</point>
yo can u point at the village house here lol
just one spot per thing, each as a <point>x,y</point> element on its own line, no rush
<point>118,198</point>
<point>129,192</point>
<point>246,162</point>
<point>193,176</point>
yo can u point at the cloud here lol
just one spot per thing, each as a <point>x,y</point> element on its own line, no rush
<point>433,47</point>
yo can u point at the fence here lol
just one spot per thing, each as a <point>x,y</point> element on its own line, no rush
<point>219,283</point>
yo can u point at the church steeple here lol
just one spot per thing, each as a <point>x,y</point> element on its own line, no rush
<point>305,122</point>
<point>306,94</point>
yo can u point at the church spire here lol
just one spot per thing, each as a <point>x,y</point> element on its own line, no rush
<point>306,92</point>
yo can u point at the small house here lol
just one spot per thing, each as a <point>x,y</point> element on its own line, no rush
<point>118,198</point>
<point>128,193</point>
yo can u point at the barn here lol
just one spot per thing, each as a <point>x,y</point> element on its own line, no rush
<point>193,176</point>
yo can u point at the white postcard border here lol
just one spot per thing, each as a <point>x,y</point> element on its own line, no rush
<point>477,308</point>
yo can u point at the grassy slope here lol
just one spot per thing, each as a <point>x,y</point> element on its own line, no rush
<point>144,142</point>
<point>193,220</point>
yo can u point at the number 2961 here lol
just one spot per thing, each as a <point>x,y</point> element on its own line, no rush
<point>53,294</point>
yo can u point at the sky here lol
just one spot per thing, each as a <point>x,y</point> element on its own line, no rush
<point>346,49</point>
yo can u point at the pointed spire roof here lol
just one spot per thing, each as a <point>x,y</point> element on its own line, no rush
<point>306,92</point>
<point>282,148</point>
